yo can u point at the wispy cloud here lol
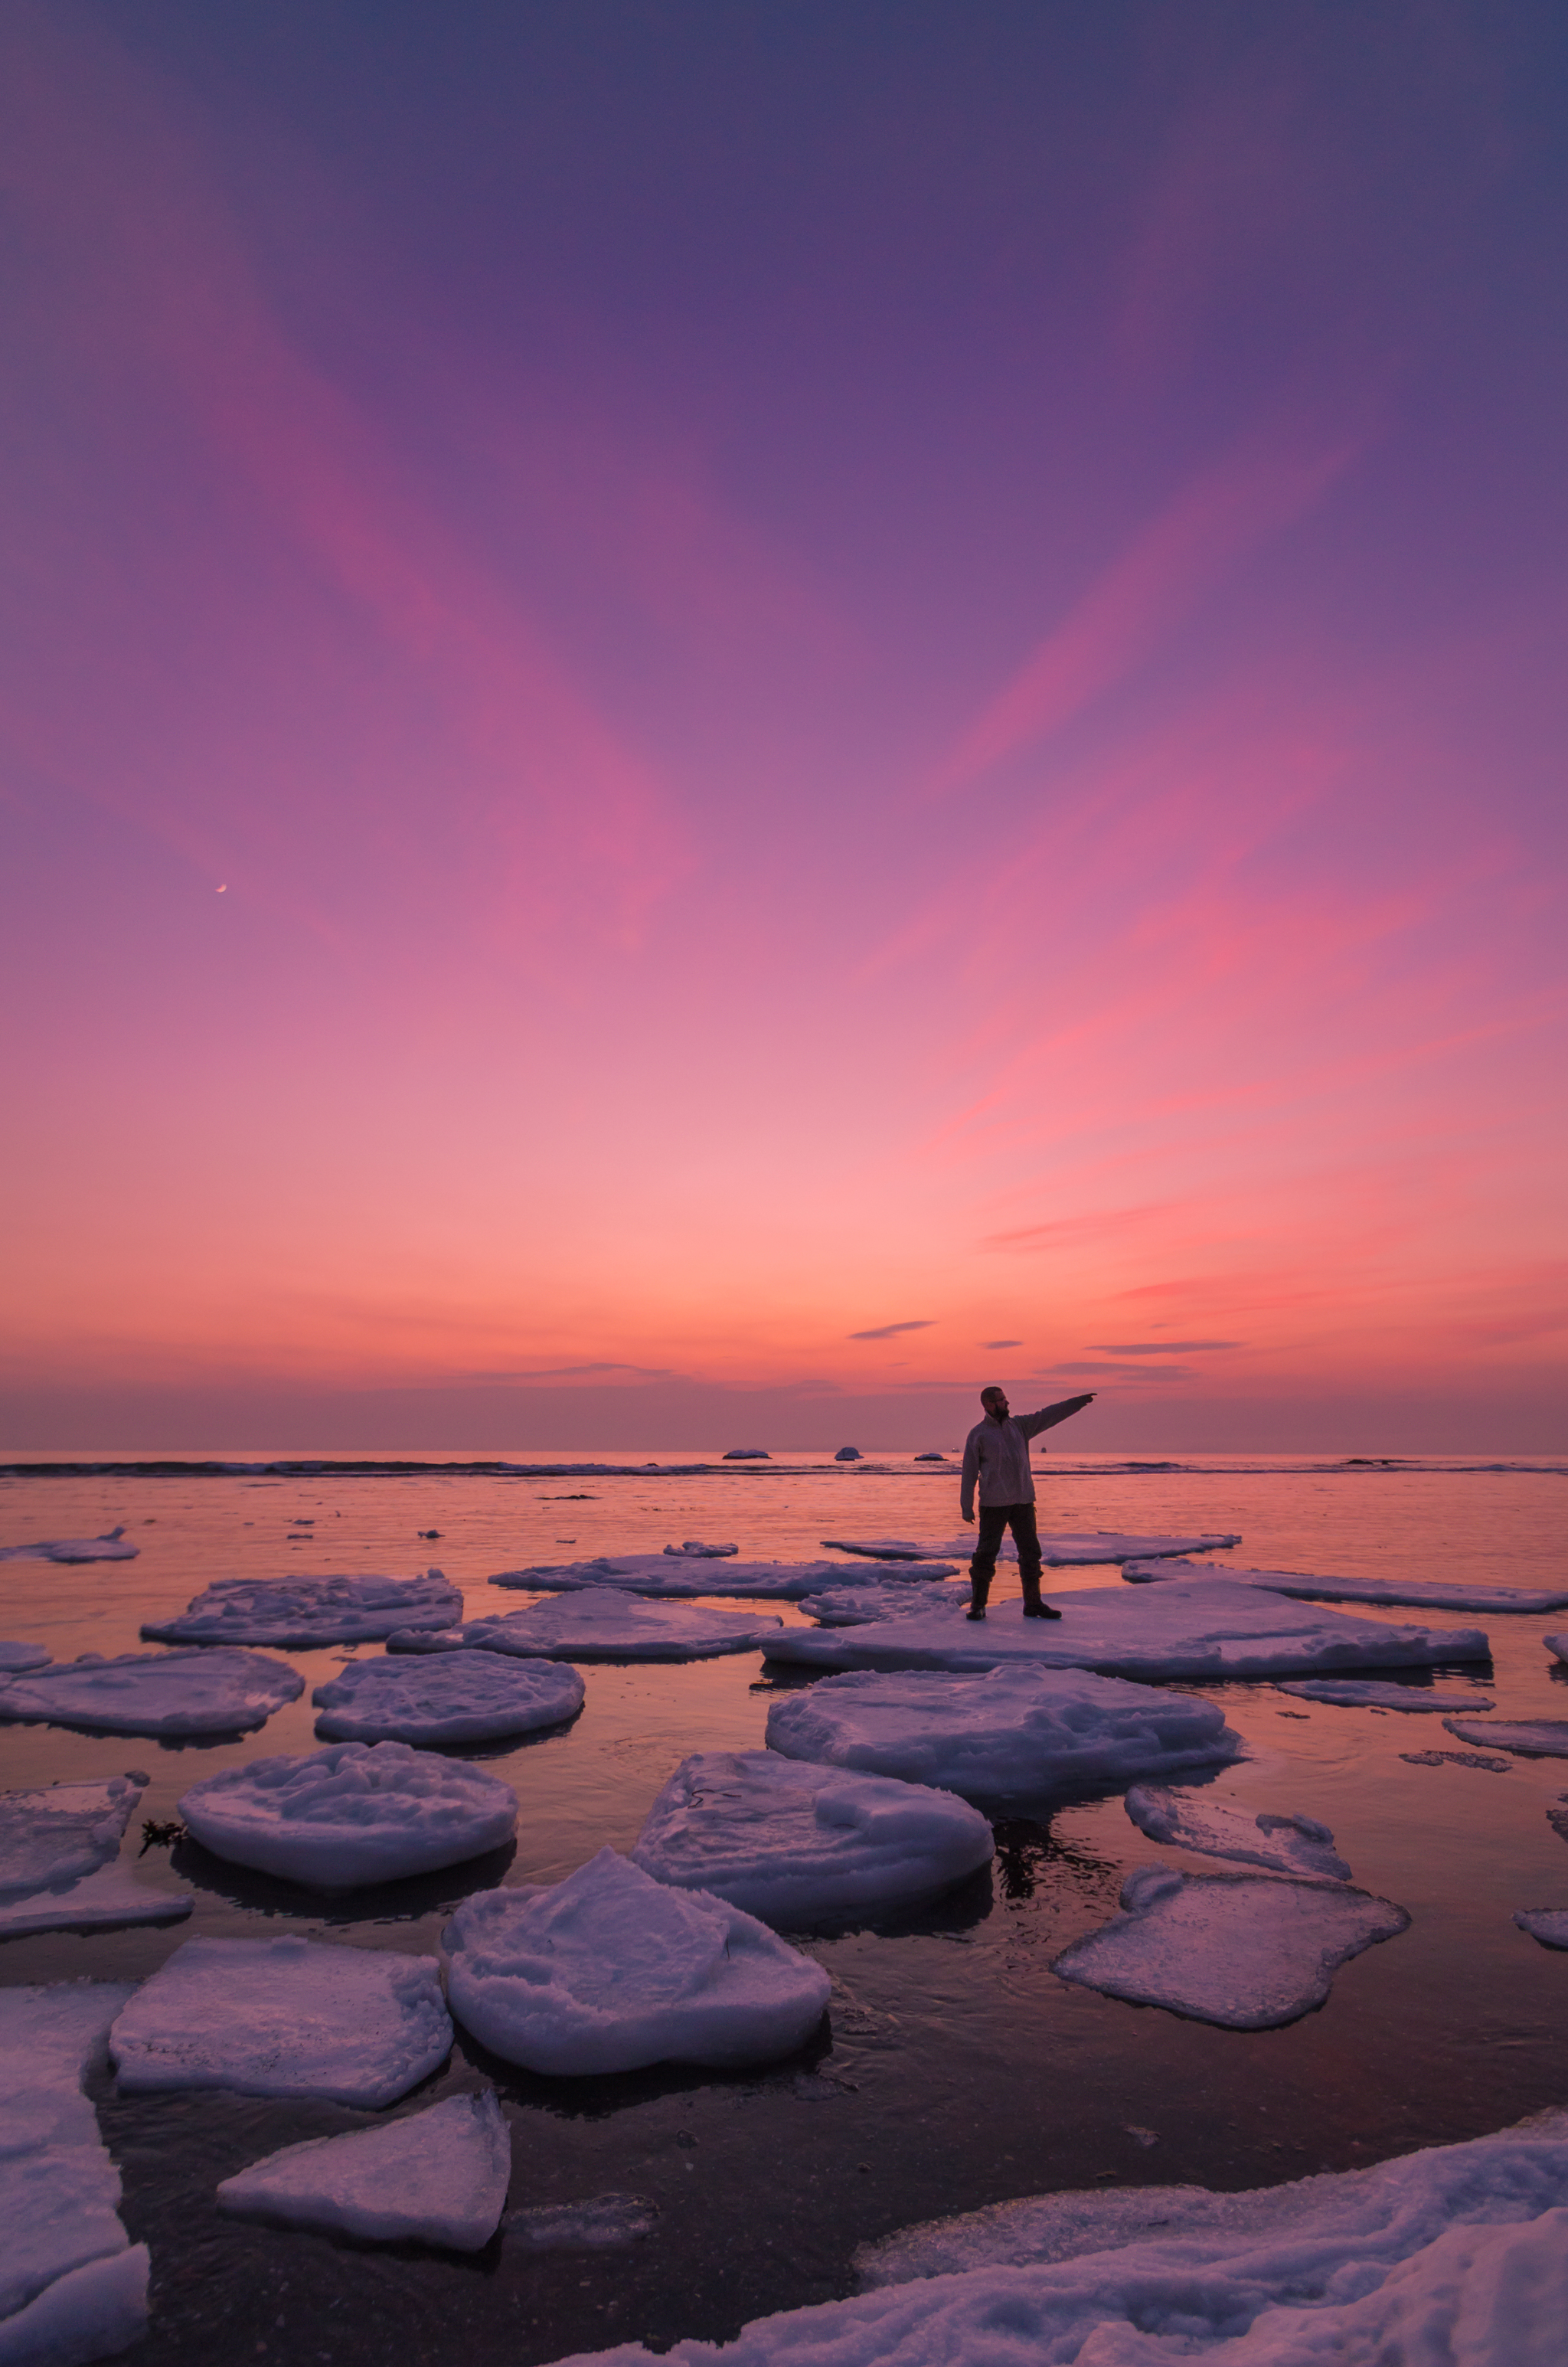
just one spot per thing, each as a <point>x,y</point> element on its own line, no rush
<point>1001,1344</point>
<point>891,1330</point>
<point>1158,1347</point>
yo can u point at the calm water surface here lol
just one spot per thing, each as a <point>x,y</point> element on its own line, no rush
<point>956,2070</point>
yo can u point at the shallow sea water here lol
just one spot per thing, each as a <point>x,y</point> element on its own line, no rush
<point>955,2070</point>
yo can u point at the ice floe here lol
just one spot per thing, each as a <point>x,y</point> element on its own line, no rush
<point>18,1660</point>
<point>438,2177</point>
<point>1366,1692</point>
<point>355,1813</point>
<point>1249,1952</point>
<point>112,1546</point>
<point>305,1611</point>
<point>1006,1736</point>
<point>793,1842</point>
<point>1493,1766</point>
<point>680,1576</point>
<point>55,1835</point>
<point>1297,1845</point>
<point>1192,1628</point>
<point>1421,1594</point>
<point>1557,1644</point>
<point>1541,1737</point>
<point>1547,1924</point>
<point>109,1899</point>
<point>445,1697</point>
<point>852,1606</point>
<point>1063,1550</point>
<point>193,1692</point>
<point>610,1970</point>
<point>72,2286</point>
<point>600,1623</point>
<point>693,1549</point>
<point>285,2017</point>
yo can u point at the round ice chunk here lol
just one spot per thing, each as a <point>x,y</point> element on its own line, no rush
<point>610,1970</point>
<point>600,1623</point>
<point>156,1693</point>
<point>305,1610</point>
<point>445,1697</point>
<point>353,1813</point>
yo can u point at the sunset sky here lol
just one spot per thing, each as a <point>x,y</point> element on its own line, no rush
<point>719,716</point>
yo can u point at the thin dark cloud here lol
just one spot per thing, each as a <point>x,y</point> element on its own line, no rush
<point>1001,1343</point>
<point>891,1330</point>
<point>1158,1347</point>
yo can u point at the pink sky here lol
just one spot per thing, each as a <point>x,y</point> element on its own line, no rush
<point>670,701</point>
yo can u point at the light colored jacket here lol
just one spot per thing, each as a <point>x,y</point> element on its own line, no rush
<point>997,1454</point>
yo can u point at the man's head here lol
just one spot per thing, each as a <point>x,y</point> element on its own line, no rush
<point>995,1403</point>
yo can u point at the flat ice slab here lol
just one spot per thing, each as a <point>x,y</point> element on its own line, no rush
<point>17,1660</point>
<point>1006,1736</point>
<point>600,1623</point>
<point>111,1898</point>
<point>1196,1628</point>
<point>852,1606</point>
<point>1541,1737</point>
<point>305,1611</point>
<point>1366,1692</point>
<point>438,2177</point>
<point>194,1691</point>
<point>680,1578</point>
<point>1249,1952</point>
<point>1059,1549</point>
<point>1420,1593</point>
<point>445,1697</point>
<point>1547,1924</point>
<point>353,1813</point>
<point>285,2017</point>
<point>1297,1845</point>
<point>793,1842</point>
<point>610,1970</point>
<point>112,1546</point>
<point>54,1835</point>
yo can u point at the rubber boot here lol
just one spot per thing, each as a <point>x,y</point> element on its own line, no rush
<point>979,1588</point>
<point>1033,1608</point>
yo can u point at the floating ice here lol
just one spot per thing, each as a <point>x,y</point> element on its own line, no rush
<point>1009,1735</point>
<point>682,1577</point>
<point>1547,1924</point>
<point>600,1623</point>
<point>108,1900</point>
<point>193,1692</point>
<point>353,1813</point>
<point>602,2221</point>
<point>1066,1550</point>
<point>55,1835</point>
<point>792,1843</point>
<point>438,2177</point>
<point>305,1611</point>
<point>1201,1629</point>
<point>285,2017</point>
<point>694,1550</point>
<point>610,1970</point>
<point>1457,1759</point>
<point>1366,1692</point>
<point>114,1547</point>
<point>748,1455</point>
<point>17,1660</point>
<point>1298,1845</point>
<point>1421,1594</point>
<point>1249,1952</point>
<point>444,1697</point>
<point>1558,1644</point>
<point>1541,1737</point>
<point>1454,2256</point>
<point>852,1606</point>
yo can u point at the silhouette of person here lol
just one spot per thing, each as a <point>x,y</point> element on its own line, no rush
<point>996,1455</point>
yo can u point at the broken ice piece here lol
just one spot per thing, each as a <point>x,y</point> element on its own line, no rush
<point>1373,1692</point>
<point>1547,1924</point>
<point>602,2221</point>
<point>51,1837</point>
<point>1544,1738</point>
<point>438,2177</point>
<point>1297,1845</point>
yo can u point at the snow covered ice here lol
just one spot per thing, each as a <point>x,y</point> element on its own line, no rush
<point>1061,1549</point>
<point>600,1623</point>
<point>1194,1628</point>
<point>793,1842</point>
<point>1006,1736</point>
<point>305,1611</point>
<point>438,2177</point>
<point>193,1692</point>
<point>1297,1845</point>
<point>693,1549</point>
<point>1249,1952</point>
<point>1419,1593</point>
<point>445,1697</point>
<point>1547,1924</point>
<point>1366,1692</point>
<point>17,1660</point>
<point>109,1899</point>
<point>1541,1737</point>
<point>285,2017</point>
<point>682,1576</point>
<point>355,1813</point>
<point>114,1547</point>
<point>57,1869</point>
<point>610,1970</point>
<point>1557,1644</point>
<point>852,1606</point>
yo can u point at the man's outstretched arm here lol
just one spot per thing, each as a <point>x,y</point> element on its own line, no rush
<point>1032,1424</point>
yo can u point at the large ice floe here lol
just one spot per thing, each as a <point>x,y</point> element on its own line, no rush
<point>112,1546</point>
<point>1540,1738</point>
<point>1547,1924</point>
<point>1063,1550</point>
<point>437,2177</point>
<point>1193,1628</point>
<point>610,1970</point>
<point>58,1849</point>
<point>1366,1692</point>
<point>1419,1593</point>
<point>1249,1952</point>
<point>1453,2257</point>
<point>793,1842</point>
<point>193,1692</point>
<point>600,1623</point>
<point>680,1577</point>
<point>1297,1845</point>
<point>72,2288</point>
<point>445,1697</point>
<point>305,1611</point>
<point>1006,1736</point>
<point>355,1813</point>
<point>17,1660</point>
<point>285,2017</point>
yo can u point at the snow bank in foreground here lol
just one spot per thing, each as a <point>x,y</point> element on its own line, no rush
<point>193,1692</point>
<point>1421,1594</point>
<point>1065,1549</point>
<point>305,1611</point>
<point>1541,1737</point>
<point>791,1842</point>
<point>1298,1845</point>
<point>610,1970</point>
<point>1201,1629</point>
<point>438,2177</point>
<point>1011,1735</point>
<point>680,1577</point>
<point>285,2017</point>
<point>19,1659</point>
<point>1366,1692</point>
<point>445,1697</point>
<point>600,1623</point>
<point>353,1813</point>
<point>1249,1952</point>
<point>1453,2257</point>
<point>112,1546</point>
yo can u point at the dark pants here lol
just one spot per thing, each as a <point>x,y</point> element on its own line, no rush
<point>995,1521</point>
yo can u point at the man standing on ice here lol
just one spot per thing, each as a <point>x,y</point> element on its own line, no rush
<point>997,1453</point>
